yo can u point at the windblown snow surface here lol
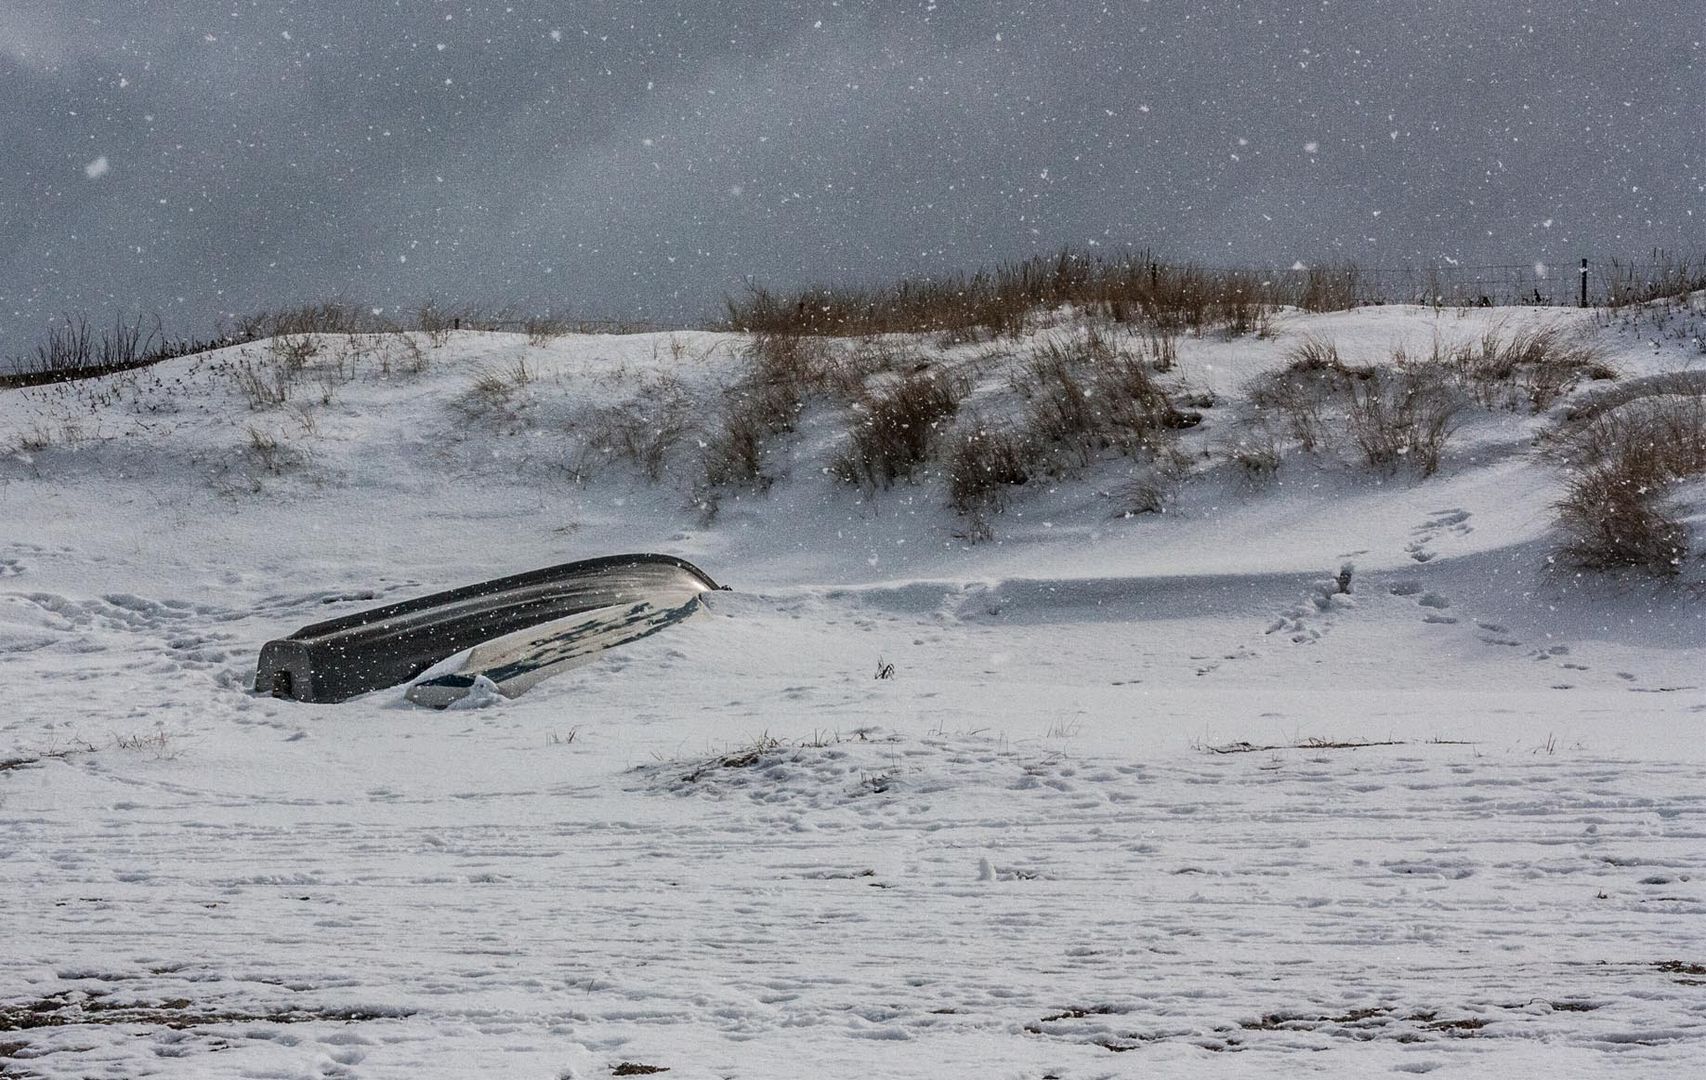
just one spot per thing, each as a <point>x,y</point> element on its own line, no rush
<point>731,851</point>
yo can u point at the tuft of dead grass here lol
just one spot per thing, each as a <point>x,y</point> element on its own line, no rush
<point>1086,396</point>
<point>1403,413</point>
<point>1664,276</point>
<point>1156,485</point>
<point>498,392</point>
<point>984,464</point>
<point>1257,456</point>
<point>1616,512</point>
<point>271,453</point>
<point>898,429</point>
<point>1002,301</point>
<point>785,371</point>
<point>1533,367</point>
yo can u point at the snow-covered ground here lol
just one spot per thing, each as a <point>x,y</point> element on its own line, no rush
<point>1144,796</point>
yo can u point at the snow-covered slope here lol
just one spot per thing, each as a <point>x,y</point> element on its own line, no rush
<point>1145,794</point>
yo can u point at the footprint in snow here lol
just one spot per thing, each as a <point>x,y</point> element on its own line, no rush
<point>1453,521</point>
<point>1432,601</point>
<point>1299,624</point>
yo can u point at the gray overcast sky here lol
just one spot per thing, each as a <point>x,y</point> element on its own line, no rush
<point>642,158</point>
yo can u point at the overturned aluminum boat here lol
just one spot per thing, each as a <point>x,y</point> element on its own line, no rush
<point>522,629</point>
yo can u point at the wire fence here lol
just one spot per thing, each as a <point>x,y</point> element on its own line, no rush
<point>1584,283</point>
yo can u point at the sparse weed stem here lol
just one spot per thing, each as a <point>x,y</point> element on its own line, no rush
<point>644,429</point>
<point>1257,455</point>
<point>156,744</point>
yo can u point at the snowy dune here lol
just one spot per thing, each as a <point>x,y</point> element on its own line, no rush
<point>1145,795</point>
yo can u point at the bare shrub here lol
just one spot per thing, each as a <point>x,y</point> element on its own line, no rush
<point>1300,393</point>
<point>1062,410</point>
<point>72,348</point>
<point>1242,300</point>
<point>1613,518</point>
<point>1157,484</point>
<point>1084,397</point>
<point>897,430</point>
<point>845,375</point>
<point>734,455</point>
<point>791,363</point>
<point>1616,512</point>
<point>1400,417</point>
<point>68,346</point>
<point>645,428</point>
<point>1313,354</point>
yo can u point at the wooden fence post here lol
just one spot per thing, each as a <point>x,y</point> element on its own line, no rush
<point>1584,301</point>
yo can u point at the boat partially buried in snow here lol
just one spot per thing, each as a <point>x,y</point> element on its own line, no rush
<point>521,629</point>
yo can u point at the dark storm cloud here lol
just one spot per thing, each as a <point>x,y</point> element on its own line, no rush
<point>643,159</point>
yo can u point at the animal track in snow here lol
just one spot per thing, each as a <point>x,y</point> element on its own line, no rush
<point>1453,521</point>
<point>1432,601</point>
<point>1308,621</point>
